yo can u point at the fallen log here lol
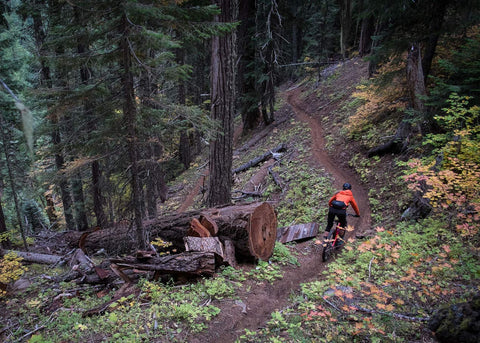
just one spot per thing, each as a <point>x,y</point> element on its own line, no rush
<point>37,257</point>
<point>265,132</point>
<point>252,228</point>
<point>266,156</point>
<point>196,263</point>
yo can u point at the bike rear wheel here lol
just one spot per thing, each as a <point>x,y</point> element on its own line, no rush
<point>328,247</point>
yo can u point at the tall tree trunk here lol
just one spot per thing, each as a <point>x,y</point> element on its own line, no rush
<point>5,142</point>
<point>98,201</point>
<point>346,25</point>
<point>129,112</point>
<point>222,110</point>
<point>415,79</point>
<point>248,102</point>
<point>63,184</point>
<point>268,59</point>
<point>51,213</point>
<point>416,90</point>
<point>437,14</point>
<point>46,79</point>
<point>96,190</point>
<point>366,31</point>
<point>4,240</point>
<point>80,211</point>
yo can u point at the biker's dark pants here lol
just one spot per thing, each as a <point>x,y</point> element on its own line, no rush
<point>341,215</point>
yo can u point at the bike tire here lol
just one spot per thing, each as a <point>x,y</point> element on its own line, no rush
<point>328,248</point>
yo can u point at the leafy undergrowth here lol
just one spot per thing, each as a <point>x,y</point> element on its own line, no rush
<point>382,289</point>
<point>160,312</point>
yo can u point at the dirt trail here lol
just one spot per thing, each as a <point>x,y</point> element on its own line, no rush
<point>323,159</point>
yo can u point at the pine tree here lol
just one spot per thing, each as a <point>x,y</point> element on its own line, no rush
<point>15,144</point>
<point>120,57</point>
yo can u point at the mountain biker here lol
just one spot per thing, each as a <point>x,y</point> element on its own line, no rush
<point>338,207</point>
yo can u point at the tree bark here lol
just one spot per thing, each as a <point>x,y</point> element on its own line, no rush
<point>222,109</point>
<point>204,244</point>
<point>129,112</point>
<point>63,184</point>
<point>415,79</point>
<point>252,228</point>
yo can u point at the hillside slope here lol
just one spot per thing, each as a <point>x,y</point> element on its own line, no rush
<point>256,301</point>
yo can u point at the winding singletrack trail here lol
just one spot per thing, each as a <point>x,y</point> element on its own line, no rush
<point>323,159</point>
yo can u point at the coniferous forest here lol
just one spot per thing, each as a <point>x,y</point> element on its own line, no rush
<point>121,121</point>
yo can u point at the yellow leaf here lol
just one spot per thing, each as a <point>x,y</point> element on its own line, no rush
<point>389,307</point>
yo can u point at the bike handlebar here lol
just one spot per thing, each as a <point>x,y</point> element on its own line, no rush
<point>353,215</point>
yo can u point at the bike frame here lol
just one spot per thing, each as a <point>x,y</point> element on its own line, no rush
<point>330,244</point>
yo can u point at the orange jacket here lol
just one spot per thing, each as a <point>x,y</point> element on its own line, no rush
<point>347,197</point>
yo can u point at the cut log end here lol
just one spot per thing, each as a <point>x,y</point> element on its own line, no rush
<point>263,231</point>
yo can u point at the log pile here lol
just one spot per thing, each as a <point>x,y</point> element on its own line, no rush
<point>251,228</point>
<point>209,238</point>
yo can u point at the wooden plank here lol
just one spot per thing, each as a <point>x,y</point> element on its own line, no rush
<point>297,232</point>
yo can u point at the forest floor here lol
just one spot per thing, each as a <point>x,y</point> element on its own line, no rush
<point>254,305</point>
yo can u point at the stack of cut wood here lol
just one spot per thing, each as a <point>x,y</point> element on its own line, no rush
<point>209,238</point>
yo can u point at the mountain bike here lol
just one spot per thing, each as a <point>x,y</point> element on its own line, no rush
<point>334,240</point>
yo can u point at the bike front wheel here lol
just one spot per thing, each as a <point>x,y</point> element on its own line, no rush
<point>328,247</point>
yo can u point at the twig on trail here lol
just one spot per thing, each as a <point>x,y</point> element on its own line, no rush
<point>206,302</point>
<point>325,105</point>
<point>370,268</point>
<point>38,328</point>
<point>245,194</point>
<point>202,166</point>
<point>363,309</point>
<point>276,177</point>
<point>332,304</point>
<point>392,314</point>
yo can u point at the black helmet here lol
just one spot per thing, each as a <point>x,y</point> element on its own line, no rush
<point>347,186</point>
